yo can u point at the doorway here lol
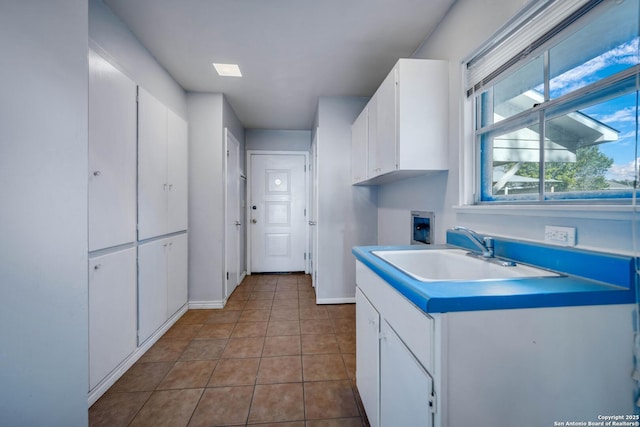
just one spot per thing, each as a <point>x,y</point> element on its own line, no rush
<point>277,211</point>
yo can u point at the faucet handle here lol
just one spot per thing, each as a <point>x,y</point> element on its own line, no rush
<point>488,242</point>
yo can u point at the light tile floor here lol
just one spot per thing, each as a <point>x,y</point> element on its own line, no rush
<point>270,357</point>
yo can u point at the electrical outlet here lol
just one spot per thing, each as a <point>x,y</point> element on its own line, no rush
<point>563,236</point>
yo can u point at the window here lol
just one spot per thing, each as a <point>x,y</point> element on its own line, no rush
<point>557,119</point>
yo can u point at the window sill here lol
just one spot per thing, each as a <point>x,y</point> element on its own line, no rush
<point>605,212</point>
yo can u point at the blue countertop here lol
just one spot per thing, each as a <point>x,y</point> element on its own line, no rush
<point>607,279</point>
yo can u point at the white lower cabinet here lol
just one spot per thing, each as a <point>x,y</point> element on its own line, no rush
<point>406,389</point>
<point>395,386</point>
<point>162,282</point>
<point>368,357</point>
<point>112,312</point>
<point>486,368</point>
<point>177,273</point>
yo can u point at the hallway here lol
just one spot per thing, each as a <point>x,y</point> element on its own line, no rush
<point>270,357</point>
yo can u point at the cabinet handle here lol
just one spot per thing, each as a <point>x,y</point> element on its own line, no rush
<point>238,223</point>
<point>97,266</point>
<point>170,186</point>
<point>96,173</point>
<point>165,187</point>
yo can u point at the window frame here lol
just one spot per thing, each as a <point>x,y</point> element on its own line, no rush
<point>599,91</point>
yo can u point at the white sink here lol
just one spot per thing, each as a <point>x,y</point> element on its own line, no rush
<point>435,265</point>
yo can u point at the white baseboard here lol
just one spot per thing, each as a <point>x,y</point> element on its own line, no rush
<point>115,375</point>
<point>201,305</point>
<point>242,276</point>
<point>349,300</point>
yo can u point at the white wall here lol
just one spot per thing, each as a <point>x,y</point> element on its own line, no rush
<point>278,140</point>
<point>111,38</point>
<point>206,193</point>
<point>347,214</point>
<point>43,219</point>
<point>397,200</point>
<point>468,24</point>
<point>209,114</point>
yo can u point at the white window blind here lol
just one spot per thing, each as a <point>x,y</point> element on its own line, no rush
<point>522,36</point>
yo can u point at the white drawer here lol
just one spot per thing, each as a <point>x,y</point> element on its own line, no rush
<point>414,327</point>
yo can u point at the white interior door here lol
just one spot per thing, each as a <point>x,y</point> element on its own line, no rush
<point>233,221</point>
<point>277,212</point>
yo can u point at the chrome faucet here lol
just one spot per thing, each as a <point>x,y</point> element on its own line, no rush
<point>484,244</point>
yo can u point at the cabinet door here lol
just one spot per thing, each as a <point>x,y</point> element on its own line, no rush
<point>405,387</point>
<point>152,166</point>
<point>112,155</point>
<point>359,136</point>
<point>177,145</point>
<point>386,124</point>
<point>177,272</point>
<point>152,287</point>
<point>112,312</point>
<point>372,137</point>
<point>368,357</point>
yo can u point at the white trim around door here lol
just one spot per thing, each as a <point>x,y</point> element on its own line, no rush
<point>305,233</point>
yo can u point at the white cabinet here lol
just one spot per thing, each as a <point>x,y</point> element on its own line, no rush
<point>384,144</point>
<point>162,282</point>
<point>162,169</point>
<point>112,312</point>
<point>177,173</point>
<point>394,355</point>
<point>359,141</point>
<point>177,273</point>
<point>406,389</point>
<point>408,122</point>
<point>483,367</point>
<point>368,357</point>
<point>112,156</point>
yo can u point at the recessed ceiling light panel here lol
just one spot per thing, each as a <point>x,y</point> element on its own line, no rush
<point>228,70</point>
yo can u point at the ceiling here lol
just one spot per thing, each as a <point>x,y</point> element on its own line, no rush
<point>290,52</point>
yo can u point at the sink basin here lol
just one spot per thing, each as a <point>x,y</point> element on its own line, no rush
<point>436,265</point>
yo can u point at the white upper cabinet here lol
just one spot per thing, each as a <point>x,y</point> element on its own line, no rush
<point>385,143</point>
<point>177,137</point>
<point>112,156</point>
<point>152,166</point>
<point>408,122</point>
<point>359,140</point>
<point>162,169</point>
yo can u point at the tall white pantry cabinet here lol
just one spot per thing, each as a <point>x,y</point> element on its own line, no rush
<point>121,157</point>
<point>162,214</point>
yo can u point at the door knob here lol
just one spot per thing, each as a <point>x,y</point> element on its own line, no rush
<point>312,223</point>
<point>238,223</point>
<point>254,221</point>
